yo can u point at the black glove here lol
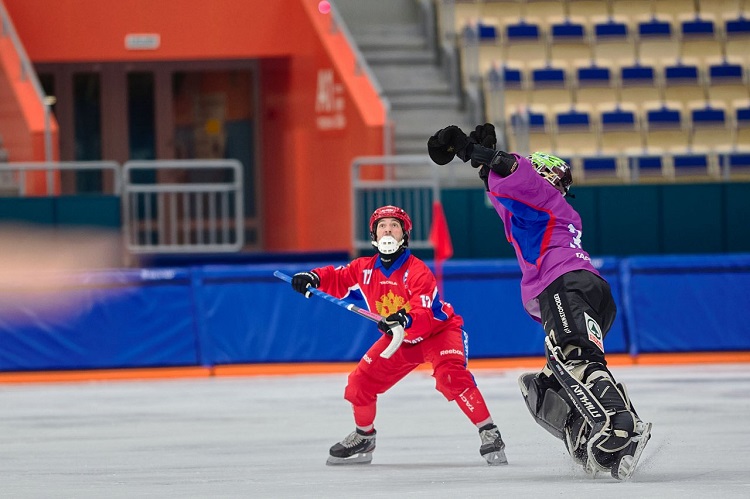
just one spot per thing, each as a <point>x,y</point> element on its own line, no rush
<point>484,135</point>
<point>301,280</point>
<point>399,318</point>
<point>447,143</point>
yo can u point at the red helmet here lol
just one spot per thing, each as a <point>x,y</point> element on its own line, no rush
<point>390,212</point>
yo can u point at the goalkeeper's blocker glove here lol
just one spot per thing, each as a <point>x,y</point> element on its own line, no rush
<point>301,281</point>
<point>400,318</point>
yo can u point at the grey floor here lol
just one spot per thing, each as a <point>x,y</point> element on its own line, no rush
<point>269,437</point>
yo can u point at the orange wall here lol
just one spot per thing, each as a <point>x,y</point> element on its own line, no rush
<point>305,169</point>
<point>22,123</point>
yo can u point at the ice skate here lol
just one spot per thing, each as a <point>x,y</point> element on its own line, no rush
<point>493,447</point>
<point>627,460</point>
<point>356,448</point>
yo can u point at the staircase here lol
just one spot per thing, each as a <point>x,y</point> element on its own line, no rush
<point>394,39</point>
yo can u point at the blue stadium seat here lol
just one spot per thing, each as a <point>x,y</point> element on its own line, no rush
<point>733,163</point>
<point>741,129</point>
<point>710,129</point>
<point>646,166</point>
<point>691,164</point>
<point>568,43</point>
<point>727,82</point>
<point>541,135</point>
<point>506,91</point>
<point>737,33</point>
<point>682,82</point>
<point>525,44</point>
<point>639,84</point>
<point>699,39</point>
<point>657,42</point>
<point>613,43</point>
<point>594,86</point>
<point>600,167</point>
<point>487,32</point>
<point>620,131</point>
<point>549,86</point>
<point>665,130</point>
<point>576,132</point>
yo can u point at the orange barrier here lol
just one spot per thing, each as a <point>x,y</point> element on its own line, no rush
<point>304,369</point>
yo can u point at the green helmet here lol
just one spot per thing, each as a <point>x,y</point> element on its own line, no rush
<point>555,170</point>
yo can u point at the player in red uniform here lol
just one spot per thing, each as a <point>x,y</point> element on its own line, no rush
<point>401,288</point>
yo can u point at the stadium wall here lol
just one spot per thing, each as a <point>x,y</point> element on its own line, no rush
<point>224,315</point>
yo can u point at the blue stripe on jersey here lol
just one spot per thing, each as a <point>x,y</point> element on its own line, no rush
<point>528,226</point>
<point>437,307</point>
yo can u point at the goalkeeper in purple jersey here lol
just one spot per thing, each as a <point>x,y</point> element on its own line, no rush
<point>560,289</point>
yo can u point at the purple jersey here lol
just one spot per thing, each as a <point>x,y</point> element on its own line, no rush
<point>542,227</point>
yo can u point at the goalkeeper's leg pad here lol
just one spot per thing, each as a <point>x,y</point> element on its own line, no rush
<point>546,406</point>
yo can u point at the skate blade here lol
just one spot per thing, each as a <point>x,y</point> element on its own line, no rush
<point>626,467</point>
<point>496,458</point>
<point>361,458</point>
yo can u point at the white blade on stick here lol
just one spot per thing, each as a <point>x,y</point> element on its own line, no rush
<point>398,332</point>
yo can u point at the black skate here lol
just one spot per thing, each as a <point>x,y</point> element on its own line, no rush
<point>356,448</point>
<point>493,447</point>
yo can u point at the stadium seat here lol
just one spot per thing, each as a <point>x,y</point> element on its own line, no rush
<point>646,166</point>
<point>613,43</point>
<point>531,130</point>
<point>620,130</point>
<point>594,86</point>
<point>737,33</point>
<point>710,129</point>
<point>549,86</point>
<point>525,44</point>
<point>699,39</point>
<point>727,82</point>
<point>733,163</point>
<point>604,167</point>
<point>639,84</point>
<point>741,127</point>
<point>576,132</point>
<point>693,164</point>
<point>506,91</point>
<point>665,129</point>
<point>683,83</point>
<point>568,42</point>
<point>657,42</point>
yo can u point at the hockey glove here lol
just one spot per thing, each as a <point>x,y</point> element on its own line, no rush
<point>484,135</point>
<point>302,280</point>
<point>400,318</point>
<point>447,143</point>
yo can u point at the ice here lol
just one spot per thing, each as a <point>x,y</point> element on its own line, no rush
<point>268,437</point>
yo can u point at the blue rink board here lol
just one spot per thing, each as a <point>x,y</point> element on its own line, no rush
<point>229,314</point>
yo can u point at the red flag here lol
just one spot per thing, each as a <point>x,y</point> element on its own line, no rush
<point>440,237</point>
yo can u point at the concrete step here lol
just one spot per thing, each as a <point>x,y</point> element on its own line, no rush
<point>399,57</point>
<point>414,100</point>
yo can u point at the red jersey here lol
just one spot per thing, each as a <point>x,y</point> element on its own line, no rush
<point>408,284</point>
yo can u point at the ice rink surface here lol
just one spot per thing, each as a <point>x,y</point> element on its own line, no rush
<point>268,437</point>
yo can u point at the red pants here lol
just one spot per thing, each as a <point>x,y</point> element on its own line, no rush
<point>445,351</point>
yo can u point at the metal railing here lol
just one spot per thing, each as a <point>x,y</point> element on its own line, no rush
<point>193,206</point>
<point>411,182</point>
<point>28,72</point>
<point>13,176</point>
